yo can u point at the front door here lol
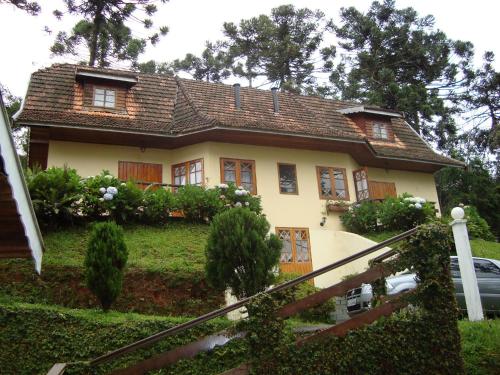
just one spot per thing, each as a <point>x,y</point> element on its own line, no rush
<point>296,251</point>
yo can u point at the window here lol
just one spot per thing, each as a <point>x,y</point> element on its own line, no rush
<point>104,98</point>
<point>484,268</point>
<point>144,174</point>
<point>190,172</point>
<point>287,178</point>
<point>332,183</point>
<point>380,131</point>
<point>239,172</point>
<point>361,184</point>
<point>296,247</point>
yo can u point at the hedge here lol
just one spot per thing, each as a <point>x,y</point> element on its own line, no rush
<point>34,337</point>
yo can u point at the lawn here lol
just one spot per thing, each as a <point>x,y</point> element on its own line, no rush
<point>177,247</point>
<point>480,248</point>
<point>481,346</point>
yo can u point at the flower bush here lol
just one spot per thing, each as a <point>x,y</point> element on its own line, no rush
<point>105,196</point>
<point>405,212</point>
<point>233,196</point>
<point>400,213</point>
<point>55,194</point>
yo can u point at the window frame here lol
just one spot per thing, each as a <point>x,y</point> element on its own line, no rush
<point>238,172</point>
<point>378,134</point>
<point>187,165</point>
<point>296,192</point>
<point>292,231</point>
<point>367,190</point>
<point>106,89</point>
<point>332,178</point>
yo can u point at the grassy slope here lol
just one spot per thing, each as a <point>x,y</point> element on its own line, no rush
<point>480,248</point>
<point>176,247</point>
<point>481,346</point>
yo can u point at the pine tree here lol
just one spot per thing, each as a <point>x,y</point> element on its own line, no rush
<point>240,253</point>
<point>104,32</point>
<point>398,60</point>
<point>105,261</point>
<point>32,8</point>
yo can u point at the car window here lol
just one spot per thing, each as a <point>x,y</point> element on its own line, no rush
<point>485,268</point>
<point>455,269</point>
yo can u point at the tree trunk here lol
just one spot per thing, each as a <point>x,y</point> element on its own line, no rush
<point>98,20</point>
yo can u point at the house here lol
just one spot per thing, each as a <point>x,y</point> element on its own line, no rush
<point>296,152</point>
<point>20,235</point>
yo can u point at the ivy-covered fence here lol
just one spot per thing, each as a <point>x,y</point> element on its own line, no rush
<point>422,338</point>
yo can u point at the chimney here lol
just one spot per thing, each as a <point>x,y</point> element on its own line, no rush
<point>276,103</point>
<point>237,98</point>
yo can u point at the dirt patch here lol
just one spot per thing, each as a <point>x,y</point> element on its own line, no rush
<point>143,292</point>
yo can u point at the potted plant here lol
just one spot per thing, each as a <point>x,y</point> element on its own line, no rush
<point>336,206</point>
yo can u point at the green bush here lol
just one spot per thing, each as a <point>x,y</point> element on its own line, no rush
<point>405,212</point>
<point>361,217</point>
<point>105,196</point>
<point>240,252</point>
<point>157,206</point>
<point>476,225</point>
<point>233,196</point>
<point>198,203</point>
<point>55,193</point>
<point>105,261</point>
<point>321,313</point>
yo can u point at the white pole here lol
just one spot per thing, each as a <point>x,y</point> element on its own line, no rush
<point>469,281</point>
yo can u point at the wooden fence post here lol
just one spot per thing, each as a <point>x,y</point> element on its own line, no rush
<point>469,281</point>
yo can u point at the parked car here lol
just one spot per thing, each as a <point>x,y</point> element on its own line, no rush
<point>487,274</point>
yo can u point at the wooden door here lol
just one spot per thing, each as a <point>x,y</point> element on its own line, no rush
<point>296,251</point>
<point>382,190</point>
<point>142,173</point>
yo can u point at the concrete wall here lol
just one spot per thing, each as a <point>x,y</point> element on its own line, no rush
<point>305,210</point>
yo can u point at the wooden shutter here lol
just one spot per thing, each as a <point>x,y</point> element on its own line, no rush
<point>143,173</point>
<point>382,190</point>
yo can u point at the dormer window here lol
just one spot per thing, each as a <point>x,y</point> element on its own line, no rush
<point>104,98</point>
<point>380,131</point>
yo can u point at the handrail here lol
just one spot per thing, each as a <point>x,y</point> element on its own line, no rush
<point>223,311</point>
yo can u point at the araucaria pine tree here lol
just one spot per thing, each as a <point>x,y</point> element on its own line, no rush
<point>105,261</point>
<point>240,253</point>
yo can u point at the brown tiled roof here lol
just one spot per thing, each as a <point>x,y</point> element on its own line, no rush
<point>172,106</point>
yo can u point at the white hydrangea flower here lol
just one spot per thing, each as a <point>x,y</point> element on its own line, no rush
<point>238,204</point>
<point>222,186</point>
<point>112,190</point>
<point>240,187</point>
<point>101,199</point>
<point>418,206</point>
<point>411,205</point>
<point>244,192</point>
<point>102,190</point>
<point>222,197</point>
<point>247,204</point>
<point>108,197</point>
<point>123,184</point>
<point>109,177</point>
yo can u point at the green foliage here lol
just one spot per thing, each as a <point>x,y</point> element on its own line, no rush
<point>105,196</point>
<point>157,206</point>
<point>103,30</point>
<point>361,217</point>
<point>485,249</point>
<point>105,261</point>
<point>399,60</point>
<point>476,225</point>
<point>61,335</point>
<point>481,346</point>
<point>392,214</point>
<point>473,186</point>
<point>421,339</point>
<point>233,196</point>
<point>405,212</point>
<point>318,314</point>
<point>240,252</point>
<point>32,8</point>
<point>55,193</point>
<point>198,203</point>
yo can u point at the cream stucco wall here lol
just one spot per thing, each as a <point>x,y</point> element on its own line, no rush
<point>304,210</point>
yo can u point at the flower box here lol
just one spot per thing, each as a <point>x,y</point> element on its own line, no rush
<point>332,207</point>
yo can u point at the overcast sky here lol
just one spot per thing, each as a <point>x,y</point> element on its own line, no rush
<point>25,45</point>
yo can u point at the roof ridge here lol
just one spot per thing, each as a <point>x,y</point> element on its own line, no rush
<point>197,111</point>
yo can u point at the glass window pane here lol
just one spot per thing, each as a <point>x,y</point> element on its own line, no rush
<point>301,246</point>
<point>286,250</point>
<point>110,94</point>
<point>486,269</point>
<point>229,171</point>
<point>325,182</point>
<point>287,178</point>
